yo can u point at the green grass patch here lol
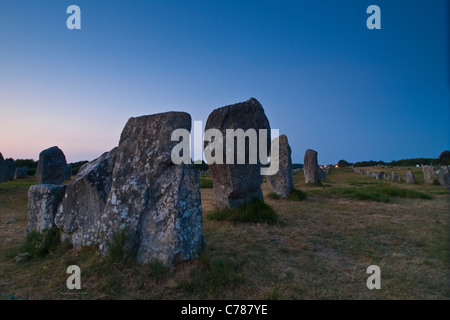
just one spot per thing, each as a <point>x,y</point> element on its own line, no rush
<point>117,251</point>
<point>38,245</point>
<point>379,193</point>
<point>214,275</point>
<point>256,211</point>
<point>295,195</point>
<point>206,183</point>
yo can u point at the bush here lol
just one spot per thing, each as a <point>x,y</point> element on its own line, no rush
<point>38,245</point>
<point>206,183</point>
<point>256,211</point>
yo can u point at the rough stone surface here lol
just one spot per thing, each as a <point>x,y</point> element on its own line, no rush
<point>444,177</point>
<point>21,173</point>
<point>282,182</point>
<point>235,184</point>
<point>43,202</point>
<point>379,176</point>
<point>311,167</point>
<point>51,166</point>
<point>321,174</point>
<point>2,168</point>
<point>10,170</point>
<point>79,214</point>
<point>394,177</point>
<point>68,172</point>
<point>428,174</point>
<point>155,202</point>
<point>409,178</point>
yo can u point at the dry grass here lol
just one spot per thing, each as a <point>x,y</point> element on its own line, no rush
<point>319,249</point>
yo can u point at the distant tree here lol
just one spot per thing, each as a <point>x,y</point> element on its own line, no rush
<point>444,158</point>
<point>29,163</point>
<point>343,164</point>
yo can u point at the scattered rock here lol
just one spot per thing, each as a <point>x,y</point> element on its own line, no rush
<point>311,167</point>
<point>428,174</point>
<point>235,184</point>
<point>10,170</point>
<point>282,182</point>
<point>444,177</point>
<point>80,212</point>
<point>394,177</point>
<point>51,167</point>
<point>43,202</point>
<point>2,168</point>
<point>21,257</point>
<point>410,178</point>
<point>21,173</point>
<point>68,172</point>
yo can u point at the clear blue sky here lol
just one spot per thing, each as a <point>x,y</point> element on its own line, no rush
<point>323,78</point>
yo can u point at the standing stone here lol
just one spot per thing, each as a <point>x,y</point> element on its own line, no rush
<point>443,176</point>
<point>79,214</point>
<point>155,202</point>
<point>21,173</point>
<point>68,172</point>
<point>282,182</point>
<point>428,174</point>
<point>394,177</point>
<point>2,168</point>
<point>374,174</point>
<point>379,176</point>
<point>321,174</point>
<point>410,178</point>
<point>10,170</point>
<point>43,202</point>
<point>51,167</point>
<point>235,184</point>
<point>310,167</point>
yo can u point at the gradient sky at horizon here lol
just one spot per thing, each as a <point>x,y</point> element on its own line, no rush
<point>323,78</point>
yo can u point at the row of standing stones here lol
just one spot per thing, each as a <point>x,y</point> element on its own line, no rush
<point>52,168</point>
<point>137,189</point>
<point>8,170</point>
<point>429,174</point>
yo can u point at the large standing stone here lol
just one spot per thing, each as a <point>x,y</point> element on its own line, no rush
<point>235,183</point>
<point>68,172</point>
<point>155,202</point>
<point>10,170</point>
<point>51,166</point>
<point>428,174</point>
<point>321,174</point>
<point>311,167</point>
<point>80,212</point>
<point>444,177</point>
<point>43,202</point>
<point>379,176</point>
<point>21,173</point>
<point>2,168</point>
<point>394,177</point>
<point>282,182</point>
<point>410,178</point>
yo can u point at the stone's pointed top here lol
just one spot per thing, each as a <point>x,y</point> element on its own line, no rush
<point>155,124</point>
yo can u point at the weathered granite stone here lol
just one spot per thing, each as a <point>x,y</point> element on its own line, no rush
<point>394,177</point>
<point>321,174</point>
<point>43,202</point>
<point>155,202</point>
<point>379,176</point>
<point>79,214</point>
<point>428,174</point>
<point>311,167</point>
<point>51,166</point>
<point>68,172</point>
<point>21,173</point>
<point>409,177</point>
<point>235,183</point>
<point>2,168</point>
<point>444,176</point>
<point>10,170</point>
<point>282,182</point>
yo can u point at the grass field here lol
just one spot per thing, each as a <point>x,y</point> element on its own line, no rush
<point>318,248</point>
